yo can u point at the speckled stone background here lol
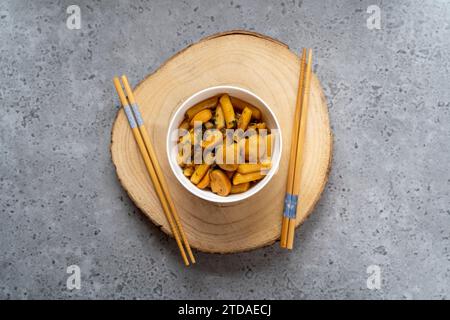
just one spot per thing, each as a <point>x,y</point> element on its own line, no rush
<point>387,202</point>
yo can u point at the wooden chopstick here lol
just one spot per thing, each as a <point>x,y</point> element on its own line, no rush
<point>154,160</point>
<point>149,166</point>
<point>300,151</point>
<point>293,153</point>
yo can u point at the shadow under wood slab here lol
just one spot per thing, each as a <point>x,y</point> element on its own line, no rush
<point>252,61</point>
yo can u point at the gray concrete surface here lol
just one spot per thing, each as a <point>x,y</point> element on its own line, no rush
<point>387,202</point>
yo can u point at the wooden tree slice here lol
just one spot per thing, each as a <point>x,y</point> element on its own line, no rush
<point>251,61</point>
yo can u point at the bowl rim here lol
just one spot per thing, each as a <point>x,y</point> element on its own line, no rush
<point>208,195</point>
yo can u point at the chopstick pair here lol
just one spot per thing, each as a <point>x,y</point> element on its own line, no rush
<point>296,156</point>
<point>142,138</point>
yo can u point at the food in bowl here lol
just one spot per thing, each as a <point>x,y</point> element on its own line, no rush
<point>224,145</point>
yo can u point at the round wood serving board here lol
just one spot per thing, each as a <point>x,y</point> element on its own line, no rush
<point>251,61</point>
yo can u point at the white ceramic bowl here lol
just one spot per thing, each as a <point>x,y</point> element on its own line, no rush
<point>172,136</point>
